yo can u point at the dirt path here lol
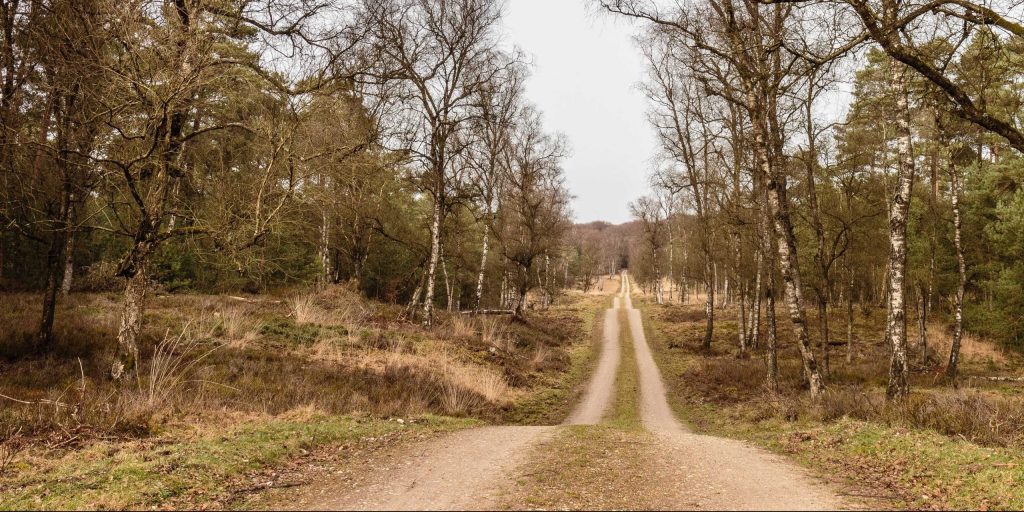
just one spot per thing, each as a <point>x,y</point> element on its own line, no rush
<point>711,472</point>
<point>602,385</point>
<point>466,470</point>
<point>584,464</point>
<point>461,471</point>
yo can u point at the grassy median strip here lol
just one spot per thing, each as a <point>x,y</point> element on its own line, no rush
<point>604,466</point>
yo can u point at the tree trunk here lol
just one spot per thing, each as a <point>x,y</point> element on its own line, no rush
<point>709,302</point>
<point>435,251</point>
<point>447,282</point>
<point>59,242</point>
<point>324,250</point>
<point>671,259</point>
<point>519,311</point>
<point>126,360</point>
<point>788,263</point>
<point>754,332</point>
<point>69,262</point>
<point>896,321</point>
<point>849,316</point>
<point>483,268</point>
<point>823,326</point>
<point>547,281</point>
<point>741,313</point>
<point>961,284</point>
<point>922,320</point>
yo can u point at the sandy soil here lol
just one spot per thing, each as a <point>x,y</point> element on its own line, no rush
<point>461,471</point>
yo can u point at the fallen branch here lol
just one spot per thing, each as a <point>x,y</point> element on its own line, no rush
<point>489,312</point>
<point>254,301</point>
<point>997,379</point>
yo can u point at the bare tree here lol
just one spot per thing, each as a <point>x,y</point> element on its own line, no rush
<point>535,213</point>
<point>738,48</point>
<point>440,54</point>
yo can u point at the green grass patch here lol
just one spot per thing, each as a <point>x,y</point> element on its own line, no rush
<point>625,410</point>
<point>183,468</point>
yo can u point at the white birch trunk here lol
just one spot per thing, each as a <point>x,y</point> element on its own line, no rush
<point>435,251</point>
<point>896,320</point>
<point>324,250</point>
<point>483,269</point>
<point>958,304</point>
<point>69,263</point>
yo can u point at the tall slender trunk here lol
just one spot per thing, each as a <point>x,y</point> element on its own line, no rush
<point>961,284</point>
<point>435,251</point>
<point>725,290</point>
<point>684,281</point>
<point>742,322</point>
<point>767,260</point>
<point>922,320</point>
<point>789,265</point>
<point>741,313</point>
<point>824,330</point>
<point>849,313</point>
<point>69,261</point>
<point>483,269</point>
<point>754,333</point>
<point>62,229</point>
<point>896,320</point>
<point>54,264</point>
<point>823,290</point>
<point>772,345</point>
<point>547,281</point>
<point>709,302</point>
<point>503,293</point>
<point>671,258</point>
<point>447,282</point>
<point>324,250</point>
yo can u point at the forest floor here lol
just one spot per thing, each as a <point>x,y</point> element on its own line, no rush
<point>944,448</point>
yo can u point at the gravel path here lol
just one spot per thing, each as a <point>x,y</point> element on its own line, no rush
<point>710,472</point>
<point>474,469</point>
<point>602,385</point>
<point>462,471</point>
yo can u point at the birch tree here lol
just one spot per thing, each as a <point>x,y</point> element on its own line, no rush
<point>439,54</point>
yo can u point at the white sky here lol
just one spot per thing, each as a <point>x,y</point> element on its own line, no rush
<point>585,71</point>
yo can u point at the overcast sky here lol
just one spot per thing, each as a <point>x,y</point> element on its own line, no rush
<point>585,70</point>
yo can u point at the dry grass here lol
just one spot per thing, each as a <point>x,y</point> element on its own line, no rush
<point>462,388</point>
<point>306,310</point>
<point>460,326</point>
<point>240,328</point>
<point>993,416</point>
<point>495,333</point>
<point>972,348</point>
<point>207,356</point>
<point>978,417</point>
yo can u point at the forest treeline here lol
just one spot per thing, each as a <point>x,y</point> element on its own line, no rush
<point>219,146</point>
<point>762,194</point>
